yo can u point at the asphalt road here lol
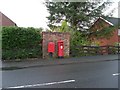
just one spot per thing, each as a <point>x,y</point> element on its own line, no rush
<point>83,75</point>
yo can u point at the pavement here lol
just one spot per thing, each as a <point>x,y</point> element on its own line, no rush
<point>27,63</point>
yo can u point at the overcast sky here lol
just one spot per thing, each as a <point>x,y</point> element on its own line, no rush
<point>31,13</point>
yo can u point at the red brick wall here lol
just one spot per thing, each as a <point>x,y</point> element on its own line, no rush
<point>54,37</point>
<point>114,38</point>
<point>111,41</point>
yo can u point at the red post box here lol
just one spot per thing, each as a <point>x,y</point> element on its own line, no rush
<point>51,47</point>
<point>60,48</point>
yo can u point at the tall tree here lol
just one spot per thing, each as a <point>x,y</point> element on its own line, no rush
<point>78,14</point>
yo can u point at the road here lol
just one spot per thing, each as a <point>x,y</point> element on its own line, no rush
<point>83,75</point>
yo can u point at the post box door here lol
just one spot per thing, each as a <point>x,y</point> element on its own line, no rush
<point>51,47</point>
<point>60,48</point>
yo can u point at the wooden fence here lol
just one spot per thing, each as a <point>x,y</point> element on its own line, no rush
<point>94,50</point>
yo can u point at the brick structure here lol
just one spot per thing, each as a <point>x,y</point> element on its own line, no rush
<point>54,37</point>
<point>106,22</point>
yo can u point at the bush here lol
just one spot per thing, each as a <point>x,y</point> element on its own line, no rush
<point>19,42</point>
<point>77,39</point>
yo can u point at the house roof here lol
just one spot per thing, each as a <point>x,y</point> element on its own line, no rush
<point>114,21</point>
<point>6,20</point>
<point>108,21</point>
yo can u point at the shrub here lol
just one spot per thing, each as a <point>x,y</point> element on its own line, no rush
<point>19,42</point>
<point>77,39</point>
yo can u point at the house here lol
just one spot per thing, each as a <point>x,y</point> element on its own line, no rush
<point>106,22</point>
<point>5,21</point>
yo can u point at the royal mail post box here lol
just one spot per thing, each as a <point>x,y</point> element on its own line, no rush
<point>51,47</point>
<point>60,48</point>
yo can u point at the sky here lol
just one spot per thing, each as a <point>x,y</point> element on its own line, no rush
<point>32,13</point>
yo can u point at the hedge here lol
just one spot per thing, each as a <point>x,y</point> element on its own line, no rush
<point>19,42</point>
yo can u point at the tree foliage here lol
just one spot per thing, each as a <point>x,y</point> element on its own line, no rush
<point>77,14</point>
<point>63,28</point>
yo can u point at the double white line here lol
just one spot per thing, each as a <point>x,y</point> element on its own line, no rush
<point>43,84</point>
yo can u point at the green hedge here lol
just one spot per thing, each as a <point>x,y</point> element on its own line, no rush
<point>19,42</point>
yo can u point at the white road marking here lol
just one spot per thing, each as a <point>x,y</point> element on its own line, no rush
<point>43,84</point>
<point>116,74</point>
